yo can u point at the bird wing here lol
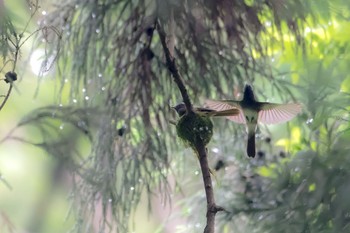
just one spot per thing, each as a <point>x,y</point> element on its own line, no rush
<point>277,113</point>
<point>227,105</point>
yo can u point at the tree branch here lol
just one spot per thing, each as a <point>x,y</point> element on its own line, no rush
<point>212,209</point>
<point>171,64</point>
<point>6,97</point>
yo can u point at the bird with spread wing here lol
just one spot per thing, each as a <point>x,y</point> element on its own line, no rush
<point>253,112</point>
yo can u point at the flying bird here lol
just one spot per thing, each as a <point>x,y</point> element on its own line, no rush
<point>253,112</point>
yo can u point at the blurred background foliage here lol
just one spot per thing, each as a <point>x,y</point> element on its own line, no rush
<point>87,145</point>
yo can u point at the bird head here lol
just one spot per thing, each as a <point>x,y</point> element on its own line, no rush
<point>248,93</point>
<point>180,109</point>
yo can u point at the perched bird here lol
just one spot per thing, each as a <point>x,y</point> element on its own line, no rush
<point>233,111</point>
<point>253,112</point>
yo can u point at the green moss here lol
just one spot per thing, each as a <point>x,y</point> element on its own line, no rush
<point>193,128</point>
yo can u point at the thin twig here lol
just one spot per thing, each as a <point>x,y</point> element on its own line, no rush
<point>6,96</point>
<point>212,209</point>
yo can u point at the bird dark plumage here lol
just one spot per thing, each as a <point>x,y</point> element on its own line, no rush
<point>251,146</point>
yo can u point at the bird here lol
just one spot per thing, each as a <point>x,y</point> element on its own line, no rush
<point>208,112</point>
<point>253,112</point>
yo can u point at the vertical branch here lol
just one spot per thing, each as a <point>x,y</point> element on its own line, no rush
<point>212,209</point>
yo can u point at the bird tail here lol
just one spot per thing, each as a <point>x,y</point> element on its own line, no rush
<point>211,112</point>
<point>251,146</point>
<point>228,112</point>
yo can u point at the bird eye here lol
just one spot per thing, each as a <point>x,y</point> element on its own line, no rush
<point>247,118</point>
<point>252,118</point>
